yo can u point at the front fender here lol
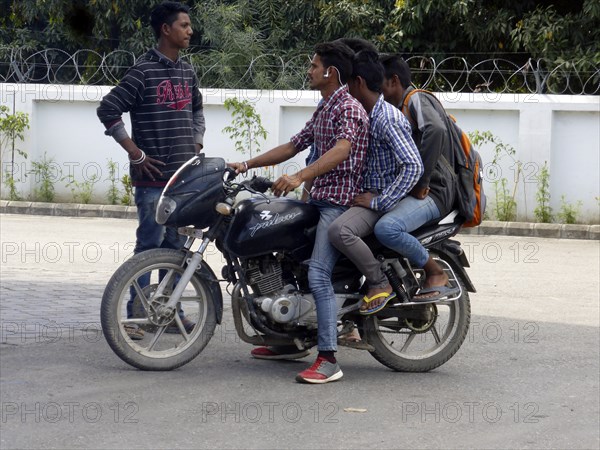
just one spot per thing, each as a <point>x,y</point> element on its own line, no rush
<point>205,273</point>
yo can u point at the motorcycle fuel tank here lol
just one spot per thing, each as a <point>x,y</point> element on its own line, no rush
<point>261,226</point>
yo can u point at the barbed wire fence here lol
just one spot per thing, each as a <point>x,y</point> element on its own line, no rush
<point>272,71</point>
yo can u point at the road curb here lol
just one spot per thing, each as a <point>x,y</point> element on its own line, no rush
<point>68,209</point>
<point>542,230</point>
<point>488,227</point>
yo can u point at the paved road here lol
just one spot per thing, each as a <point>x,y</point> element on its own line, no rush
<point>527,375</point>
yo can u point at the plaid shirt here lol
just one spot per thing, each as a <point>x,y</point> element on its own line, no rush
<point>340,116</point>
<point>393,164</point>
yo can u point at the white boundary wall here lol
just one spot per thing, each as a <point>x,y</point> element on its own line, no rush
<point>563,131</point>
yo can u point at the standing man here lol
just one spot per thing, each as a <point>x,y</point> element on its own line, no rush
<point>162,95</point>
<point>339,131</point>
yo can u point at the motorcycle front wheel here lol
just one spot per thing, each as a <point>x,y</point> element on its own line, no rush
<point>413,345</point>
<point>135,330</point>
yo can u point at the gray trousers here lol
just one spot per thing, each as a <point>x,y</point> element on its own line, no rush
<point>346,234</point>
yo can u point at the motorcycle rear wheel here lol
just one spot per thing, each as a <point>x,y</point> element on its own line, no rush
<point>420,347</point>
<point>165,344</point>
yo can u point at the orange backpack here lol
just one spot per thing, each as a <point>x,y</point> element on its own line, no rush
<point>468,167</point>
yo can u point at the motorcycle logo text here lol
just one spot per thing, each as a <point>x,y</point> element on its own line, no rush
<point>272,220</point>
<point>265,215</point>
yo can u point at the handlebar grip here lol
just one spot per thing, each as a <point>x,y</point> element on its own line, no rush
<point>261,184</point>
<point>230,174</point>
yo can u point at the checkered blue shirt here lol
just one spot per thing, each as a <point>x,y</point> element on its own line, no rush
<point>393,164</point>
<point>340,116</point>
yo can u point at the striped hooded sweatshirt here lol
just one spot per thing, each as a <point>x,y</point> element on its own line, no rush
<point>165,106</point>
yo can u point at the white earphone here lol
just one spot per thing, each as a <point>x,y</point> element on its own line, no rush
<point>326,74</point>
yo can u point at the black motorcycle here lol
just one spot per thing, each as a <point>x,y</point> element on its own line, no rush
<point>173,300</point>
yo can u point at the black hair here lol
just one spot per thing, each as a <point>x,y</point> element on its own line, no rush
<point>338,55</point>
<point>166,12</point>
<point>394,64</point>
<point>357,44</point>
<point>366,65</point>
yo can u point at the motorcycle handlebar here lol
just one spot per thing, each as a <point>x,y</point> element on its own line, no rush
<point>261,184</point>
<point>255,184</point>
<point>230,174</point>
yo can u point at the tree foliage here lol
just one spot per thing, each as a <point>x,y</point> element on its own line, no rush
<point>231,34</point>
<point>100,25</point>
<point>537,29</point>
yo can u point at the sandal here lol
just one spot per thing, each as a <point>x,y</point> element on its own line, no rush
<point>350,337</point>
<point>435,293</point>
<point>134,332</point>
<point>374,309</point>
<point>355,343</point>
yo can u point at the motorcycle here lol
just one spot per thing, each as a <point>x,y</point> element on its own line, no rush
<point>266,242</point>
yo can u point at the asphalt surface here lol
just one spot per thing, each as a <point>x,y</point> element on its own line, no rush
<point>527,375</point>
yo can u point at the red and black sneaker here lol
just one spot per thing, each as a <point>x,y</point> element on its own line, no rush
<point>322,371</point>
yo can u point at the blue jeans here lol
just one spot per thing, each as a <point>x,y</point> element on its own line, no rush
<point>322,261</point>
<point>150,234</point>
<point>394,227</point>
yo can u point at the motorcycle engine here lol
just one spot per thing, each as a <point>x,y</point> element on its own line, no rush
<point>283,304</point>
<point>288,306</point>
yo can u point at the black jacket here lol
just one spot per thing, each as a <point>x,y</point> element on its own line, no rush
<point>432,134</point>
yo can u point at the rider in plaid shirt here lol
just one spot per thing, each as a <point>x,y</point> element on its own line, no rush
<point>338,117</point>
<point>339,131</point>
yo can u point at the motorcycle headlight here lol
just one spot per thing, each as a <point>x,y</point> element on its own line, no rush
<point>224,209</point>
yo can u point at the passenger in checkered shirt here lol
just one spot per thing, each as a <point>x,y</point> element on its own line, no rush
<point>339,132</point>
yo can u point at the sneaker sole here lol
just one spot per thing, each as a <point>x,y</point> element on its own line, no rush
<point>280,357</point>
<point>336,376</point>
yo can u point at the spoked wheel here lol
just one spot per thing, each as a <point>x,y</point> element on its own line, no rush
<point>138,333</point>
<point>427,339</point>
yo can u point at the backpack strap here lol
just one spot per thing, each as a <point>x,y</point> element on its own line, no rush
<point>405,109</point>
<point>450,122</point>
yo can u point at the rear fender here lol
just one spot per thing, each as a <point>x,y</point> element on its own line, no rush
<point>457,262</point>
